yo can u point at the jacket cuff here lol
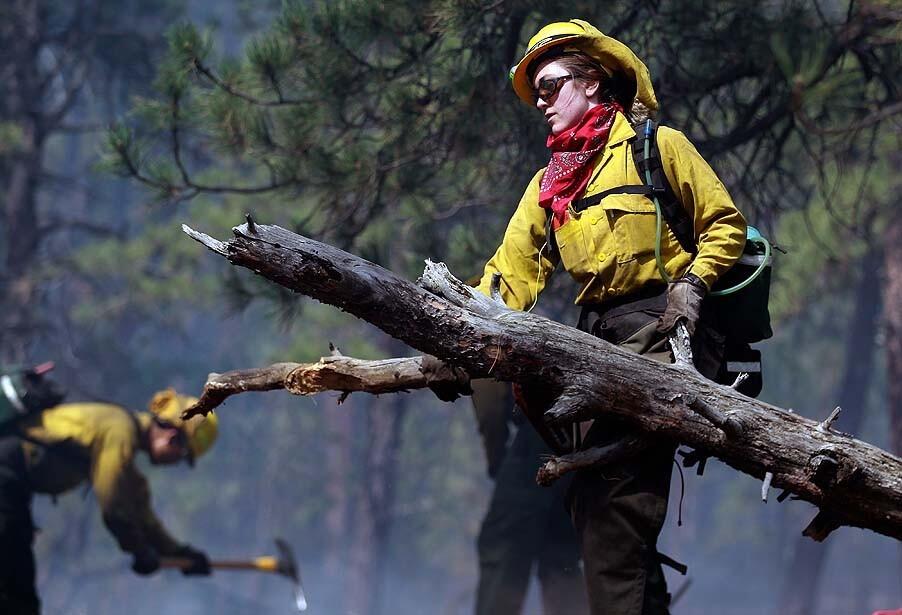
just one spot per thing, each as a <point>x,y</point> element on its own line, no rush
<point>703,273</point>
<point>696,281</point>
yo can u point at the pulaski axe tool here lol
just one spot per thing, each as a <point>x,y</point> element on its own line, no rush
<point>283,564</point>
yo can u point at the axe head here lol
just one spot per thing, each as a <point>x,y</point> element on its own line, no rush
<point>288,567</point>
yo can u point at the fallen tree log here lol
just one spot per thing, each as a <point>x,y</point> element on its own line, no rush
<point>852,482</point>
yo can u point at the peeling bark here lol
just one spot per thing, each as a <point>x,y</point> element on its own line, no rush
<point>852,482</point>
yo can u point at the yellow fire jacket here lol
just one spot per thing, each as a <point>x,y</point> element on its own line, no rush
<point>609,248</point>
<point>98,442</point>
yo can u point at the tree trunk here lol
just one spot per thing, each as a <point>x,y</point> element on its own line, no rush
<point>374,506</point>
<point>339,466</point>
<point>799,593</point>
<point>385,443</point>
<point>22,33</point>
<point>358,588</point>
<point>337,470</point>
<point>852,482</point>
<point>892,300</point>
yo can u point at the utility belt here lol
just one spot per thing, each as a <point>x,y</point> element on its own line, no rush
<point>616,320</point>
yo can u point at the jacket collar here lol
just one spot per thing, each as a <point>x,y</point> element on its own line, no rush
<point>620,131</point>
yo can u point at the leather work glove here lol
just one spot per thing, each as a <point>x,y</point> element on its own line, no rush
<point>684,303</point>
<point>146,561</point>
<point>446,381</point>
<point>200,563</point>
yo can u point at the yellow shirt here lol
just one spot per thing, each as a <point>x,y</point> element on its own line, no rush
<point>98,442</point>
<point>609,249</point>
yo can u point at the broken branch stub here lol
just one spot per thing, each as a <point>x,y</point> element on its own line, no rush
<point>556,467</point>
<point>455,323</point>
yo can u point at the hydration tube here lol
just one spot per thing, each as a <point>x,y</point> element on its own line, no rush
<point>752,234</point>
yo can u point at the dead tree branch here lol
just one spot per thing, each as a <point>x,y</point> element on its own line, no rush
<point>335,373</point>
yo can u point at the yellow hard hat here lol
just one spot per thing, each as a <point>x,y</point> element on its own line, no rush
<point>579,35</point>
<point>200,431</point>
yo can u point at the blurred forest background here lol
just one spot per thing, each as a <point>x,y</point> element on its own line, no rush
<point>390,130</point>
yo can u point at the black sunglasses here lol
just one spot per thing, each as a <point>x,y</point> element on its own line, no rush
<point>549,86</point>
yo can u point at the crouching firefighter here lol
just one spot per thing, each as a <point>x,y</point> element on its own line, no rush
<point>53,449</point>
<point>596,212</point>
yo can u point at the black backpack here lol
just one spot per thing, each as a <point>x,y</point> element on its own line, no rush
<point>25,391</point>
<point>741,314</point>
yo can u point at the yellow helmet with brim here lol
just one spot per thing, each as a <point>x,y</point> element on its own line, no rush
<point>577,35</point>
<point>200,431</point>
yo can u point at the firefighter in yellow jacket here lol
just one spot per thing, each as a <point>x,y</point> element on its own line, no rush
<point>66,445</point>
<point>585,85</point>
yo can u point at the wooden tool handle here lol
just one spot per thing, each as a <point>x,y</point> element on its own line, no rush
<point>264,564</point>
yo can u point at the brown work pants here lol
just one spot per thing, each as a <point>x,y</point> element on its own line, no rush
<point>619,510</point>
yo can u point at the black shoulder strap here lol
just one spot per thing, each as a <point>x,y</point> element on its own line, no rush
<point>671,209</point>
<point>595,199</point>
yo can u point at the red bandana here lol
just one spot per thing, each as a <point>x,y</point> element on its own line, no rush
<point>572,152</point>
